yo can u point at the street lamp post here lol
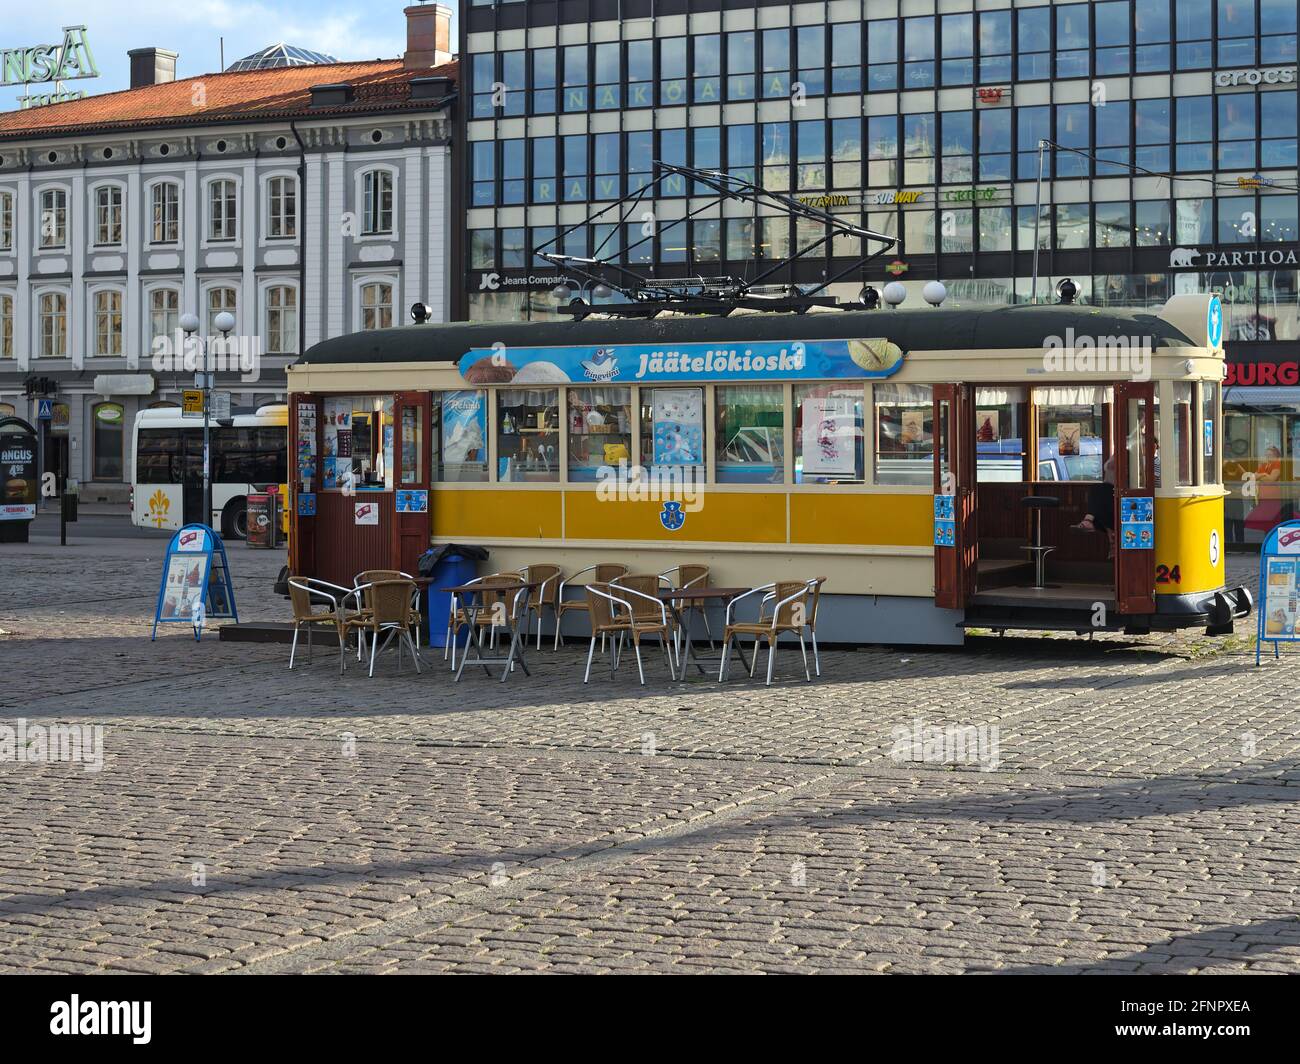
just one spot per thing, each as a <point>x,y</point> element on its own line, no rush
<point>225,322</point>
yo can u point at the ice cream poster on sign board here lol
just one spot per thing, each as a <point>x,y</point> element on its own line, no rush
<point>1280,599</point>
<point>678,426</point>
<point>829,435</point>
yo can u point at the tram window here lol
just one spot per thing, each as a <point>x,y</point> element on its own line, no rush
<point>1184,436</point>
<point>672,430</point>
<point>358,443</point>
<point>1000,435</point>
<point>1070,420</point>
<point>528,434</point>
<point>459,434</point>
<point>750,437</point>
<point>828,427</point>
<point>1135,442</point>
<point>412,471</point>
<point>904,434</point>
<point>600,430</point>
<point>1208,434</point>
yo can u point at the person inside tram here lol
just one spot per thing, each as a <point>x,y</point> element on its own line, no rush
<point>1267,511</point>
<point>1101,507</point>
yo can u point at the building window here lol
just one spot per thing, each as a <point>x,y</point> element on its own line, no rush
<point>706,81</point>
<point>482,249</point>
<point>1151,123</point>
<point>108,322</point>
<point>377,305</point>
<point>223,210</point>
<point>1151,223</point>
<point>6,221</point>
<point>1034,43</point>
<point>108,215</point>
<point>53,315</point>
<point>740,65</point>
<point>106,441</point>
<point>54,218</point>
<point>484,171</point>
<point>1193,25</point>
<point>223,299</point>
<point>166,213</point>
<point>1277,26</point>
<point>1151,31</point>
<point>846,57</point>
<point>164,315</point>
<point>6,326</point>
<point>1113,225</point>
<point>882,54</point>
<point>609,96</point>
<point>957,34</point>
<point>543,83</point>
<point>282,208</point>
<point>995,47</point>
<point>377,207</point>
<point>1277,127</point>
<point>281,320</point>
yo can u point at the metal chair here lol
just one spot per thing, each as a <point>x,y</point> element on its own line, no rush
<point>603,572</point>
<point>789,612</point>
<point>389,613</point>
<point>547,593</point>
<point>369,576</point>
<point>622,611</point>
<point>305,594</point>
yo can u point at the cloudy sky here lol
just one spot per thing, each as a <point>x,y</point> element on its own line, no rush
<point>346,29</point>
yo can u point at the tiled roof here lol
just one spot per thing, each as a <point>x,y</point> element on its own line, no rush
<point>382,84</point>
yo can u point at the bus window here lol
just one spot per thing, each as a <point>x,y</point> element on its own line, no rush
<point>750,434</point>
<point>828,434</point>
<point>600,430</point>
<point>904,434</point>
<point>158,456</point>
<point>249,455</point>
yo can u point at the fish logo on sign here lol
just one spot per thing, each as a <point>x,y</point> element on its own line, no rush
<point>671,516</point>
<point>603,367</point>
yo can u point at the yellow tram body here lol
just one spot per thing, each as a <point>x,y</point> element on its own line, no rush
<point>872,538</point>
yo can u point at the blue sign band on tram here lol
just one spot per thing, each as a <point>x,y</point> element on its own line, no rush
<point>658,363</point>
<point>1214,323</point>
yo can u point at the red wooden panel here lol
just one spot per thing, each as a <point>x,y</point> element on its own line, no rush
<point>345,548</point>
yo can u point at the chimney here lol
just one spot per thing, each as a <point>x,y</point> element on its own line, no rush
<point>428,36</point>
<point>151,66</point>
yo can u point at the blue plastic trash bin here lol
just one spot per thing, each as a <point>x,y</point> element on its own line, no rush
<point>452,570</point>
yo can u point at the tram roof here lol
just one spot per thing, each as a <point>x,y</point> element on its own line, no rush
<point>920,329</point>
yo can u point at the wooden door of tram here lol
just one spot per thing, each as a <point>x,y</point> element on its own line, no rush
<point>1135,479</point>
<point>305,470</point>
<point>954,478</point>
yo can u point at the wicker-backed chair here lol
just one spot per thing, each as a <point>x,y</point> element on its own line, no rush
<point>369,576</point>
<point>602,573</point>
<point>389,613</point>
<point>546,594</point>
<point>618,612</point>
<point>785,609</point>
<point>316,602</point>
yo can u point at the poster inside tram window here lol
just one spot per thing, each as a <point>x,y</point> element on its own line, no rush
<point>678,426</point>
<point>829,435</point>
<point>1280,599</point>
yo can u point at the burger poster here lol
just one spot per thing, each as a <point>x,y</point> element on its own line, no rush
<point>763,360</point>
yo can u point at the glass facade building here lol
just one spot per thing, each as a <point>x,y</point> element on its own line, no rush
<point>1171,163</point>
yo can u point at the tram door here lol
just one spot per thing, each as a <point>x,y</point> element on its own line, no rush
<point>954,487</point>
<point>411,455</point>
<point>1135,479</point>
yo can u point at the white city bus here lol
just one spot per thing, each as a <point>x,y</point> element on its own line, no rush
<point>249,454</point>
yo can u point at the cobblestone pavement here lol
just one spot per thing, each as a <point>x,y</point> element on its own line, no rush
<point>1132,804</point>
